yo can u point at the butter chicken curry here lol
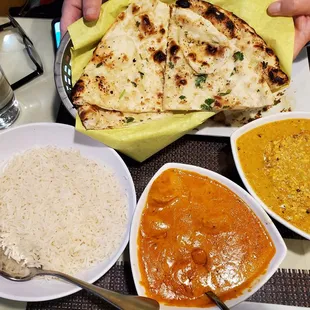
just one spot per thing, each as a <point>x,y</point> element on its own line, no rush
<point>196,235</point>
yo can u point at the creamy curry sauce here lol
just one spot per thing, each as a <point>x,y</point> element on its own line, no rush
<point>276,161</point>
<point>197,235</point>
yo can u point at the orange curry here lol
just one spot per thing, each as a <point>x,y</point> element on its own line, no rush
<point>197,235</point>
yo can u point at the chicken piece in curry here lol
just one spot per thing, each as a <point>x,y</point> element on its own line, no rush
<point>196,235</point>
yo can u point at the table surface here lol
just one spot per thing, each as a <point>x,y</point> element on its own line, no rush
<point>38,99</point>
<point>40,103</point>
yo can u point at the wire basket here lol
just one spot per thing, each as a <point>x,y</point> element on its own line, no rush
<point>62,73</point>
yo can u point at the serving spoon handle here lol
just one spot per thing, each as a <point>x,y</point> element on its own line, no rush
<point>217,300</point>
<point>120,301</point>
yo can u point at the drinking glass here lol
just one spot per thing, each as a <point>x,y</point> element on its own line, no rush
<point>9,107</point>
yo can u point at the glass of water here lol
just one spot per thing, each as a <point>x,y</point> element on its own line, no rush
<point>9,107</point>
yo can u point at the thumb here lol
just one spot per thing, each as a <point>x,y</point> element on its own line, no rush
<point>289,8</point>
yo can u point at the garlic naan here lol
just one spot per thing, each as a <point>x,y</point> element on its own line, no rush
<point>189,56</point>
<point>215,61</point>
<point>126,72</point>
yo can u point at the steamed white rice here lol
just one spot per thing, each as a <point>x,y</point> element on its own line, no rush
<point>60,210</point>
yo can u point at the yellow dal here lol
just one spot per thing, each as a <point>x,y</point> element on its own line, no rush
<point>276,161</point>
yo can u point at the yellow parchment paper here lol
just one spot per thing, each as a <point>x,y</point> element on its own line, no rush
<point>143,140</point>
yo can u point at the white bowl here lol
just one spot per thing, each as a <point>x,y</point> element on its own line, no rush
<point>238,133</point>
<point>253,205</point>
<point>42,134</point>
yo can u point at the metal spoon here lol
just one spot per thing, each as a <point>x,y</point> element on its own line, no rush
<point>217,300</point>
<point>13,271</point>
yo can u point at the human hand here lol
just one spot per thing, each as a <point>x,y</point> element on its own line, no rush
<point>300,11</point>
<point>72,10</point>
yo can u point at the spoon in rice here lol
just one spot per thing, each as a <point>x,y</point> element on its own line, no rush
<point>14,271</point>
<point>11,270</point>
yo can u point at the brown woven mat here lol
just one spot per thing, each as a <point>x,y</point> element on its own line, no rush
<point>287,288</point>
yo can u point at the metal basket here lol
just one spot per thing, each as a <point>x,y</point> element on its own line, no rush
<point>62,73</point>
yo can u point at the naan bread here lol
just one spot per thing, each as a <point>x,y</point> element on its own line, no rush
<point>188,56</point>
<point>126,72</point>
<point>95,118</point>
<point>247,40</point>
<point>215,61</point>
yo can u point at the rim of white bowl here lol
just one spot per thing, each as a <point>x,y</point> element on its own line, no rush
<point>240,192</point>
<point>117,254</point>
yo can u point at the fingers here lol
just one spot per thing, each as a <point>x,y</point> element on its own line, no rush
<point>71,11</point>
<point>298,46</point>
<point>91,9</point>
<point>302,33</point>
<point>289,8</point>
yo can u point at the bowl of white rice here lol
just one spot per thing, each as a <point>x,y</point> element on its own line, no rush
<point>66,203</point>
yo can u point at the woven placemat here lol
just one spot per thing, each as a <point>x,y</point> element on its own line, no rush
<point>285,288</point>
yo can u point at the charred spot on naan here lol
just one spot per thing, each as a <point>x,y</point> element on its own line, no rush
<point>221,102</point>
<point>172,52</point>
<point>147,28</point>
<point>121,16</point>
<point>215,15</point>
<point>161,33</point>
<point>180,80</point>
<point>159,56</point>
<point>77,91</point>
<point>102,84</point>
<point>206,54</point>
<point>224,23</point>
<point>105,58</point>
<point>258,45</point>
<point>151,49</point>
<point>217,51</point>
<point>269,51</point>
<point>135,8</point>
<point>183,20</point>
<point>160,96</point>
<point>192,56</point>
<point>185,4</point>
<point>276,77</point>
<point>146,25</point>
<point>85,111</point>
<point>174,49</point>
